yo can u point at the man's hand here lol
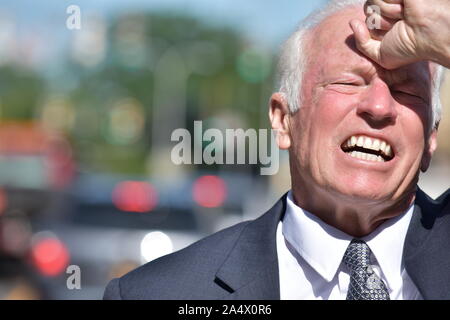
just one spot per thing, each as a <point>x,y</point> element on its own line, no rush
<point>410,31</point>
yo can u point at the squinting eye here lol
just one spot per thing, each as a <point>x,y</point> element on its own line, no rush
<point>404,93</point>
<point>346,87</point>
<point>347,83</point>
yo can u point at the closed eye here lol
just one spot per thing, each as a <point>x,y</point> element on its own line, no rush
<point>347,83</point>
<point>346,87</point>
<point>407,94</point>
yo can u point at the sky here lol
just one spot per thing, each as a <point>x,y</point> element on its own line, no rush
<point>266,21</point>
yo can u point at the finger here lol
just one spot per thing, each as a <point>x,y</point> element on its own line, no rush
<point>378,34</point>
<point>378,22</point>
<point>369,3</point>
<point>364,42</point>
<point>389,10</point>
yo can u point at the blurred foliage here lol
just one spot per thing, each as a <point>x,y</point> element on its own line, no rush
<point>21,91</point>
<point>225,75</point>
<point>135,44</point>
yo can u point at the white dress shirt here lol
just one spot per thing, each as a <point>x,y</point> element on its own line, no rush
<point>310,256</point>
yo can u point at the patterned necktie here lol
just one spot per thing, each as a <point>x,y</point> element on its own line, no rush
<point>364,283</point>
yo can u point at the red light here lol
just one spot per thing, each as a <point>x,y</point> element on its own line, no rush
<point>135,196</point>
<point>209,191</point>
<point>50,256</point>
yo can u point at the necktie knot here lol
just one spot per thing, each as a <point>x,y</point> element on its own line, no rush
<point>357,255</point>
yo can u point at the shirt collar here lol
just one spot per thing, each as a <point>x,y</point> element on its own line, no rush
<point>323,246</point>
<point>320,245</point>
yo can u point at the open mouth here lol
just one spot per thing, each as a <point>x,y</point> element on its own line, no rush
<point>366,148</point>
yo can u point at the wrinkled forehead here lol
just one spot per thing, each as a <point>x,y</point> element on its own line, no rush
<point>332,49</point>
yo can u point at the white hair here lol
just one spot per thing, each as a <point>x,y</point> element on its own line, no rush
<point>293,60</point>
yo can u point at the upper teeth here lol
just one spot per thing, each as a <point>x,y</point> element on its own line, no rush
<point>369,143</point>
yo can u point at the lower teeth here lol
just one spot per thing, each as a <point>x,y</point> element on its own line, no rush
<point>366,156</point>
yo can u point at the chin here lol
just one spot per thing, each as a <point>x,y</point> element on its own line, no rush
<point>365,191</point>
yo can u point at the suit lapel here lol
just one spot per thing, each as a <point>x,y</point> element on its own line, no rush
<point>251,269</point>
<point>426,253</point>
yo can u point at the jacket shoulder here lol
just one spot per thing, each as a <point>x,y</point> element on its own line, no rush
<point>179,275</point>
<point>444,201</point>
<point>434,211</point>
<point>426,253</point>
<point>442,207</point>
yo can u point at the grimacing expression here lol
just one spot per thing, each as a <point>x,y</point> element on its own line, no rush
<point>361,131</point>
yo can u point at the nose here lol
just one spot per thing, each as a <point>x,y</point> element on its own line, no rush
<point>378,107</point>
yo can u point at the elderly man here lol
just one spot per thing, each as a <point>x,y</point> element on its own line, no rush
<point>354,225</point>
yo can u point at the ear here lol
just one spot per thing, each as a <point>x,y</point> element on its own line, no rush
<point>279,116</point>
<point>430,147</point>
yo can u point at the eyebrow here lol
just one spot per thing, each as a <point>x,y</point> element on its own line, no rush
<point>365,70</point>
<point>399,77</point>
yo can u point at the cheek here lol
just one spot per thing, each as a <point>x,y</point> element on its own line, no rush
<point>332,108</point>
<point>414,143</point>
<point>418,112</point>
<point>317,123</point>
<point>414,123</point>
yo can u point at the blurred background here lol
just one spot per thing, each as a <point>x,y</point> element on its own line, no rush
<point>86,115</point>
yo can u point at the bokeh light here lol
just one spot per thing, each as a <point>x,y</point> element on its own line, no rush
<point>131,42</point>
<point>135,196</point>
<point>50,256</point>
<point>209,191</point>
<point>89,43</point>
<point>58,114</point>
<point>154,245</point>
<point>126,122</point>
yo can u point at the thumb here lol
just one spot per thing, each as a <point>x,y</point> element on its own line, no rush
<point>364,42</point>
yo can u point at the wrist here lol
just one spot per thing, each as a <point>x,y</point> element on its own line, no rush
<point>442,56</point>
<point>437,51</point>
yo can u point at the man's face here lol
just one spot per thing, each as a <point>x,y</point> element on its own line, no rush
<point>361,131</point>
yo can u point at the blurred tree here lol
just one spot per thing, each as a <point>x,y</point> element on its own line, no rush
<point>224,74</point>
<point>21,91</point>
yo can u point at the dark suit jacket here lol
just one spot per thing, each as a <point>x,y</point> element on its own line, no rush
<point>241,262</point>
